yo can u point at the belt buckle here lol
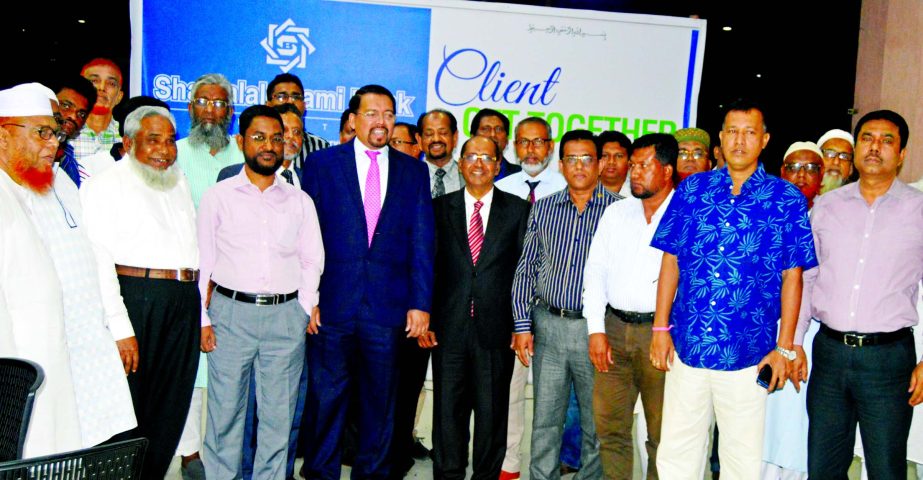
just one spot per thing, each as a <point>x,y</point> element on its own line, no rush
<point>853,339</point>
<point>266,299</point>
<point>184,274</point>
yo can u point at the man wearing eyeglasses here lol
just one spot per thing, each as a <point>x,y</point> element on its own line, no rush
<point>76,96</point>
<point>287,88</point>
<point>438,134</point>
<point>100,131</point>
<point>549,326</point>
<point>479,235</point>
<point>694,145</point>
<point>264,289</point>
<point>495,125</point>
<point>404,139</point>
<point>208,148</point>
<point>837,147</point>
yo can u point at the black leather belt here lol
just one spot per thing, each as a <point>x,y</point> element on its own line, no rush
<point>560,312</point>
<point>854,339</point>
<point>256,298</point>
<point>631,317</point>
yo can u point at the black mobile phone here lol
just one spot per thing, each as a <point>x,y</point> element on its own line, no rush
<point>765,376</point>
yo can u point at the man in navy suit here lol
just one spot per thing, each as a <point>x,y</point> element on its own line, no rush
<point>376,219</point>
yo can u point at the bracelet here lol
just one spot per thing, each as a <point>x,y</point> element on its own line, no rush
<point>662,329</point>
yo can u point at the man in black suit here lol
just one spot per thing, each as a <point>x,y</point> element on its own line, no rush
<point>479,238</point>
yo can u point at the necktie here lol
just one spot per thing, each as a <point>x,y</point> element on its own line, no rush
<point>372,194</point>
<point>532,186</point>
<point>476,238</point>
<point>287,175</point>
<point>439,183</point>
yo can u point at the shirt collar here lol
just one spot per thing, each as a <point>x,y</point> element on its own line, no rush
<point>487,199</point>
<point>360,149</point>
<point>242,181</point>
<point>756,178</point>
<point>599,193</point>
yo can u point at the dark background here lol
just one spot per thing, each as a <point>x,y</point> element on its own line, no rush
<point>804,52</point>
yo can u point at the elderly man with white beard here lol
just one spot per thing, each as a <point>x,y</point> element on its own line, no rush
<point>140,217</point>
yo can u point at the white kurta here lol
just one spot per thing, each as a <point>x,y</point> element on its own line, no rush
<point>103,399</point>
<point>32,315</point>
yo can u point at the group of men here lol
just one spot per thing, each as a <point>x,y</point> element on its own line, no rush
<point>634,269</point>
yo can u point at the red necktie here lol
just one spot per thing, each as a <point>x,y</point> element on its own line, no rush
<point>532,186</point>
<point>476,238</point>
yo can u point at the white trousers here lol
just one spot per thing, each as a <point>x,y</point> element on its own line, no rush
<point>191,441</point>
<point>692,398</point>
<point>516,424</point>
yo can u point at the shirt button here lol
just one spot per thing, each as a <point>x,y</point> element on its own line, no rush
<point>861,260</point>
<point>713,303</point>
<point>708,329</point>
<point>872,211</point>
<point>721,248</point>
<point>855,287</point>
<point>732,201</point>
<point>852,314</point>
<point>717,275</point>
<point>727,224</point>
<point>866,235</point>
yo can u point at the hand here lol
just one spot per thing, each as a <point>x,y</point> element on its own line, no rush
<point>208,341</point>
<point>128,350</point>
<point>417,323</point>
<point>427,340</point>
<point>523,346</point>
<point>799,373</point>
<point>600,352</point>
<point>662,350</point>
<point>314,323</point>
<point>916,385</point>
<point>780,370</point>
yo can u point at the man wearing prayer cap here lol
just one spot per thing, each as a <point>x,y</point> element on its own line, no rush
<point>694,146</point>
<point>31,305</point>
<point>803,166</point>
<point>836,147</point>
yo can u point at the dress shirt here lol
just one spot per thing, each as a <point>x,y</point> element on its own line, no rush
<point>130,223</point>
<point>549,180</point>
<point>452,179</point>
<point>732,250</point>
<point>291,168</point>
<point>90,142</point>
<point>363,162</point>
<point>556,246</point>
<point>259,242</point>
<point>486,200</point>
<point>96,163</point>
<point>201,167</point>
<point>622,267</point>
<point>871,261</point>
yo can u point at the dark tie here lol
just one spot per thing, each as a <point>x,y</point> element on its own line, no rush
<point>439,184</point>
<point>287,175</point>
<point>532,186</point>
<point>476,238</point>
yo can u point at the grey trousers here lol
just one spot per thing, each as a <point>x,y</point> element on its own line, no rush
<point>271,340</point>
<point>561,358</point>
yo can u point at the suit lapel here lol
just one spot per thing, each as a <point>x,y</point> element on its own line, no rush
<point>458,222</point>
<point>350,176</point>
<point>494,224</point>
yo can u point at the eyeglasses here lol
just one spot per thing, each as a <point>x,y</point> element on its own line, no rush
<point>44,132</point>
<point>473,158</point>
<point>375,114</point>
<point>285,97</point>
<point>842,156</point>
<point>204,102</point>
<point>572,160</point>
<point>397,141</point>
<point>67,107</point>
<point>696,154</point>
<point>260,139</point>
<point>487,130</point>
<point>797,167</point>
<point>535,142</point>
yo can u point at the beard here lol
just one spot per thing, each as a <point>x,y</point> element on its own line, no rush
<point>212,135</point>
<point>830,182</point>
<point>38,180</point>
<point>160,180</point>
<point>533,169</point>
<point>261,169</point>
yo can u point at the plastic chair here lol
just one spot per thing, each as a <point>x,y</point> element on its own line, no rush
<point>19,380</point>
<point>116,461</point>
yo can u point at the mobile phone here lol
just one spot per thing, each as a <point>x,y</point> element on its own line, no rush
<point>765,376</point>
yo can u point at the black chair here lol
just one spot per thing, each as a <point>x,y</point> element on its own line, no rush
<point>19,380</point>
<point>116,461</point>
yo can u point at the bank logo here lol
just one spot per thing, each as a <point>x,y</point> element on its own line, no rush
<point>287,45</point>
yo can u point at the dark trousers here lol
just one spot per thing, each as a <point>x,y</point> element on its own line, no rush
<point>466,378</point>
<point>412,362</point>
<point>346,355</point>
<point>867,385</point>
<point>165,315</point>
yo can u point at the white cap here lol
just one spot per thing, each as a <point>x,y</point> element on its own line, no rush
<point>26,100</point>
<point>836,133</point>
<point>798,146</point>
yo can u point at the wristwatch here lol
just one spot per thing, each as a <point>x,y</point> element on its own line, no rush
<point>788,354</point>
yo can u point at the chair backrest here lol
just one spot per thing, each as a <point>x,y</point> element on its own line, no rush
<point>19,380</point>
<point>115,461</point>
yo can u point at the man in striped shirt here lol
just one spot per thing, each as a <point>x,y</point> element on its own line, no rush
<point>547,305</point>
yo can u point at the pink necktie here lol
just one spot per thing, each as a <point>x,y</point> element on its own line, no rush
<point>372,194</point>
<point>476,232</point>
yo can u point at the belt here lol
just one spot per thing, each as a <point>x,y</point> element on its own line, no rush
<point>559,312</point>
<point>178,274</point>
<point>631,317</point>
<point>854,339</point>
<point>257,298</point>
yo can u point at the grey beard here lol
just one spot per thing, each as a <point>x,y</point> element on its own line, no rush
<point>213,136</point>
<point>160,180</point>
<point>831,182</point>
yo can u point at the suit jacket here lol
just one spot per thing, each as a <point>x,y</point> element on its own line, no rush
<point>488,283</point>
<point>378,284</point>
<point>506,169</point>
<point>231,170</point>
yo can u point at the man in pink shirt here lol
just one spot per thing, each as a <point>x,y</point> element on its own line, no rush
<point>261,257</point>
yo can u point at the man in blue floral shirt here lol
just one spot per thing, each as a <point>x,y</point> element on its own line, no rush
<point>735,242</point>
